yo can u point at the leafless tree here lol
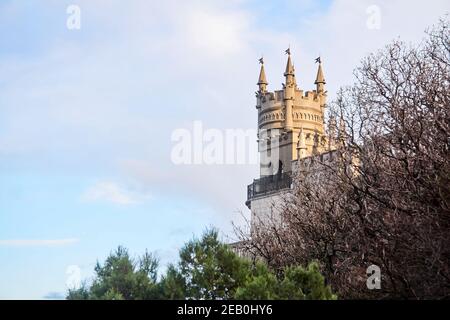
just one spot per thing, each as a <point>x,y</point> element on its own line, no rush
<point>384,197</point>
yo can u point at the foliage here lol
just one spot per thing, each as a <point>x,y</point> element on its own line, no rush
<point>121,277</point>
<point>297,283</point>
<point>207,269</point>
<point>210,269</point>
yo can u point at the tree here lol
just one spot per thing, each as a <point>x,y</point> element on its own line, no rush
<point>81,293</point>
<point>296,283</point>
<point>207,269</point>
<point>121,277</point>
<point>385,197</point>
<point>173,284</point>
<point>210,269</point>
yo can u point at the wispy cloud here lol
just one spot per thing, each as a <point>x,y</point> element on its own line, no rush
<point>38,242</point>
<point>108,191</point>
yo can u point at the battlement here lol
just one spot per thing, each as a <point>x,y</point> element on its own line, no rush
<point>307,95</point>
<point>307,107</point>
<point>277,97</point>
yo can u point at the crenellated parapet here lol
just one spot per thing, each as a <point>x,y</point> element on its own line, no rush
<point>291,108</point>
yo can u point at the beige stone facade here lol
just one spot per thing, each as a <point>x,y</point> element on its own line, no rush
<point>291,121</point>
<point>291,127</point>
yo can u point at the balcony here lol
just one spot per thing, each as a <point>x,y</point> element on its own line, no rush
<point>269,184</point>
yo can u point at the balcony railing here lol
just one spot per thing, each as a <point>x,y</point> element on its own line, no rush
<point>268,184</point>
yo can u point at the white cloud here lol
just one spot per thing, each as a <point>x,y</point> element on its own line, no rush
<point>216,33</point>
<point>113,93</point>
<point>38,242</point>
<point>109,191</point>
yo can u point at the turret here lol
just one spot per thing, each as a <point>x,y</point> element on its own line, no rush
<point>320,85</point>
<point>286,112</point>
<point>320,80</point>
<point>289,92</point>
<point>262,81</point>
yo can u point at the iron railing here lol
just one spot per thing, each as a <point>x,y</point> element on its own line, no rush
<point>268,184</point>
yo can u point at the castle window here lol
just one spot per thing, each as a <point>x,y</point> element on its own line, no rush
<point>280,168</point>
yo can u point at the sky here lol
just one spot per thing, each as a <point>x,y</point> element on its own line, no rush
<point>87,117</point>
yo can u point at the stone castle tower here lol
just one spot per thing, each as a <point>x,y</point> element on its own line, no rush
<point>291,127</point>
<point>290,120</point>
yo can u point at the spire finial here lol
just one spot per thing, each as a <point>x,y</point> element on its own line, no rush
<point>262,81</point>
<point>289,66</point>
<point>319,78</point>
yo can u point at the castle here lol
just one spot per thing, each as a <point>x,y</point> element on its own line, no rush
<point>291,129</point>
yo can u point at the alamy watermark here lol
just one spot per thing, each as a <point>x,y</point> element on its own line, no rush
<point>73,21</point>
<point>199,145</point>
<point>373,21</point>
<point>373,281</point>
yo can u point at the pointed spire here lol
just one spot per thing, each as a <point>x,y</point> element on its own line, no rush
<point>262,81</point>
<point>289,93</point>
<point>289,66</point>
<point>262,76</point>
<point>320,79</point>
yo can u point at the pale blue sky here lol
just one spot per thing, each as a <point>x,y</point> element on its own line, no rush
<point>86,116</point>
